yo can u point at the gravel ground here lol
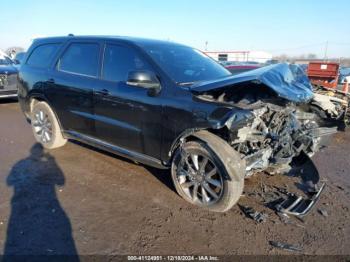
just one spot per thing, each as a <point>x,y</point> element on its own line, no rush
<point>77,200</point>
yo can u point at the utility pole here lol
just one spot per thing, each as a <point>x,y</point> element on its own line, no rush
<point>325,51</point>
<point>206,45</point>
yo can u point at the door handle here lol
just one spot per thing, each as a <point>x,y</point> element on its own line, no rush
<point>103,92</point>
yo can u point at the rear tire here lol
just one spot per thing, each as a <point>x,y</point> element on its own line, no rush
<point>191,181</point>
<point>45,126</point>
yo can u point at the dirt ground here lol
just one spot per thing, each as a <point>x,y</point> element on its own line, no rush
<point>76,200</point>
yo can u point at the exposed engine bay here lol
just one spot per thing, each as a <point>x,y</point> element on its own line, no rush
<point>277,132</point>
<point>277,135</point>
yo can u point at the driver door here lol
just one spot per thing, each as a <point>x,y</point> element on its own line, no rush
<point>126,116</point>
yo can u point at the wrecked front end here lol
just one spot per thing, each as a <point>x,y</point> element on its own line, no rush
<point>278,128</point>
<point>275,136</point>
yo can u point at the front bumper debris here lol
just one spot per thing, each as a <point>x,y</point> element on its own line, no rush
<point>297,205</point>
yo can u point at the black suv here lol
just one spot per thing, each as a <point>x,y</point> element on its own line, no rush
<point>169,106</point>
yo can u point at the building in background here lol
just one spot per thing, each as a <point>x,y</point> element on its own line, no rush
<point>240,56</point>
<point>2,54</point>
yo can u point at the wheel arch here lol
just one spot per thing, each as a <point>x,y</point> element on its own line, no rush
<point>35,98</point>
<point>228,156</point>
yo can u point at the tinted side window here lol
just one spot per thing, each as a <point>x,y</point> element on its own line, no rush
<point>119,61</point>
<point>80,58</point>
<point>42,55</point>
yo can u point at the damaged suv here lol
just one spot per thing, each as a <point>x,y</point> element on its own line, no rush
<point>169,106</point>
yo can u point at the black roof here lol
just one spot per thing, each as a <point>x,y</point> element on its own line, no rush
<point>135,40</point>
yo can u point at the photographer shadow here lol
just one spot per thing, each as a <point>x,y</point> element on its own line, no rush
<point>38,225</point>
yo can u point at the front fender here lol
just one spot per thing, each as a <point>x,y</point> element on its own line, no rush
<point>230,158</point>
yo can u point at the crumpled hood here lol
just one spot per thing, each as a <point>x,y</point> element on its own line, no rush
<point>286,80</point>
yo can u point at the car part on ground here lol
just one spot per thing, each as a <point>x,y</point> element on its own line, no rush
<point>285,246</point>
<point>297,205</point>
<point>323,212</point>
<point>258,217</point>
<point>293,204</point>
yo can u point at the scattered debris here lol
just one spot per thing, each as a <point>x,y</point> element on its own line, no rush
<point>323,212</point>
<point>282,190</point>
<point>282,200</point>
<point>285,246</point>
<point>297,205</point>
<point>306,169</point>
<point>340,187</point>
<point>270,197</point>
<point>258,217</point>
<point>286,220</point>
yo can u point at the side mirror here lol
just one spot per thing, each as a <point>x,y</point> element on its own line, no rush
<point>144,79</point>
<point>16,62</point>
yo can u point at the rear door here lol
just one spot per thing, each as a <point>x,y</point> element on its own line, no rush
<point>126,116</point>
<point>70,85</point>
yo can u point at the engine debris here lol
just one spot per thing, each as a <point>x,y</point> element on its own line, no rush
<point>285,246</point>
<point>323,212</point>
<point>258,217</point>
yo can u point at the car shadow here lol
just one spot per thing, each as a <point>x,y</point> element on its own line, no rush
<point>163,175</point>
<point>38,225</point>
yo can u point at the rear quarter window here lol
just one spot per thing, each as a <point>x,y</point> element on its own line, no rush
<point>42,55</point>
<point>81,59</point>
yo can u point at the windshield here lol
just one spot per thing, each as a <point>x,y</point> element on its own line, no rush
<point>185,65</point>
<point>5,60</point>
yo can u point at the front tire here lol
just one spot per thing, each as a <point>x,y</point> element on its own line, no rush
<point>45,126</point>
<point>202,178</point>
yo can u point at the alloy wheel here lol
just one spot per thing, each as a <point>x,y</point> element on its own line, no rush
<point>199,178</point>
<point>42,126</point>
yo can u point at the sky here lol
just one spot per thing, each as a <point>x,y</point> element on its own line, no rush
<point>291,27</point>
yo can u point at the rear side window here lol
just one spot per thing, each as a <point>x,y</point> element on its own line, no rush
<point>81,59</point>
<point>42,55</point>
<point>119,61</point>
